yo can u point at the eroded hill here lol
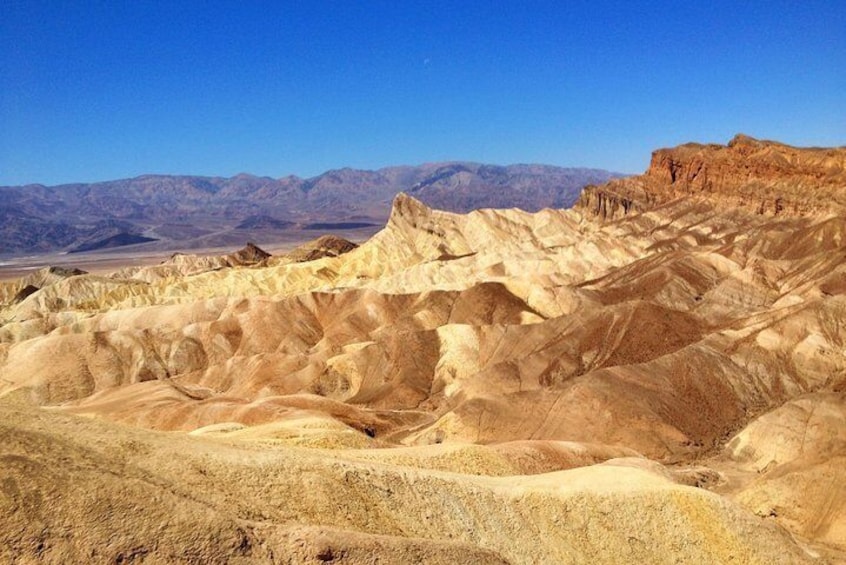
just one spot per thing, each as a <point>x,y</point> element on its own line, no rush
<point>657,375</point>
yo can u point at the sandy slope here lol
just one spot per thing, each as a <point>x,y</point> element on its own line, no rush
<point>77,490</point>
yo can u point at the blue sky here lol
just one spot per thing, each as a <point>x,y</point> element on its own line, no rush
<point>103,90</point>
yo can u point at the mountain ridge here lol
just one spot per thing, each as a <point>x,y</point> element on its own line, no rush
<point>39,218</point>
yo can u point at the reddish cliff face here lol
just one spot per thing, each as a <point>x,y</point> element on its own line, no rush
<point>763,177</point>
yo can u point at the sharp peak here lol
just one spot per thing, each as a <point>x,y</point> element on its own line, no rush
<point>405,206</point>
<point>404,199</point>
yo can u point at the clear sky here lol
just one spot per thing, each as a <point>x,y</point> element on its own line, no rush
<point>103,90</point>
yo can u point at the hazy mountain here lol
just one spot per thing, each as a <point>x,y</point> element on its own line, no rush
<point>40,218</point>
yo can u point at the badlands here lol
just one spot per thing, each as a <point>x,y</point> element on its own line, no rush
<point>657,375</point>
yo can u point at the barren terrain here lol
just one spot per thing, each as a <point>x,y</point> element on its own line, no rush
<point>655,376</point>
<point>157,213</point>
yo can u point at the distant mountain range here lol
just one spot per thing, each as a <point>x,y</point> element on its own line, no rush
<point>193,211</point>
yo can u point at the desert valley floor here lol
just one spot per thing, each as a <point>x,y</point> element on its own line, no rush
<point>657,375</point>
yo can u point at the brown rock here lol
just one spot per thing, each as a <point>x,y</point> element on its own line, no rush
<point>763,177</point>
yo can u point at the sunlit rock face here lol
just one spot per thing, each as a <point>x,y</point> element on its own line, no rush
<point>656,375</point>
<point>762,177</point>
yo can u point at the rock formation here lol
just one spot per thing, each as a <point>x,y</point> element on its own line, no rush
<point>657,375</point>
<point>763,177</point>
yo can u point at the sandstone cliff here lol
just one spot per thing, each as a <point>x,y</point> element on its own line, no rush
<point>762,177</point>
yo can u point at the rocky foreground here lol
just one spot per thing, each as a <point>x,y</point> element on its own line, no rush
<point>655,376</point>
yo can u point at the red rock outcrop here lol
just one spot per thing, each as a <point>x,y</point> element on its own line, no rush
<point>761,177</point>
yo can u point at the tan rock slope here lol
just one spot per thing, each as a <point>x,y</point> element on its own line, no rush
<point>16,291</point>
<point>654,376</point>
